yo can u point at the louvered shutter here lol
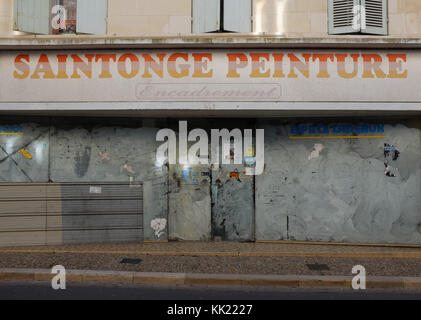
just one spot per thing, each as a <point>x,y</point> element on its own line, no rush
<point>91,16</point>
<point>375,17</point>
<point>206,16</point>
<point>32,16</point>
<point>342,16</point>
<point>237,15</point>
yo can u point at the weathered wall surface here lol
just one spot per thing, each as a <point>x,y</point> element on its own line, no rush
<point>338,190</point>
<point>311,189</point>
<point>232,203</point>
<point>290,17</point>
<point>88,152</point>
<point>189,203</point>
<point>114,154</point>
<point>24,152</point>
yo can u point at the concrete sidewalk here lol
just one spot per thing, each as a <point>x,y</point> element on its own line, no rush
<point>295,265</point>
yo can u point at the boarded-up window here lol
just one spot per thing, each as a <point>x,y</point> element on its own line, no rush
<point>357,16</point>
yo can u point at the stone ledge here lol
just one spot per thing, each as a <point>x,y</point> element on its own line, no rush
<point>213,41</point>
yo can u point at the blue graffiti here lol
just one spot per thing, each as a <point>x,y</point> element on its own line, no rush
<point>10,129</point>
<point>336,129</point>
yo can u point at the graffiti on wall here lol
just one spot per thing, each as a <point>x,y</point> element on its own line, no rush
<point>190,177</point>
<point>23,152</point>
<point>372,130</point>
<point>391,153</point>
<point>11,130</point>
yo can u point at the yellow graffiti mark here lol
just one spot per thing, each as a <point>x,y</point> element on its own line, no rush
<point>25,153</point>
<point>11,133</point>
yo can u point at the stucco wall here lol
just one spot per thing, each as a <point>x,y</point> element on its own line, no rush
<point>6,17</point>
<point>302,18</point>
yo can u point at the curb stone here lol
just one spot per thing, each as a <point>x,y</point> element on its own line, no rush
<point>362,254</point>
<point>292,281</point>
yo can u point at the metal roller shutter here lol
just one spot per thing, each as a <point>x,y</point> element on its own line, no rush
<point>38,214</point>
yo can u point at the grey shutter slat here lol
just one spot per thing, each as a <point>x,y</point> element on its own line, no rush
<point>32,16</point>
<point>206,16</point>
<point>91,16</point>
<point>376,17</point>
<point>341,15</point>
<point>237,15</point>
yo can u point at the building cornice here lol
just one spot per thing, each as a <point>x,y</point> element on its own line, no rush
<point>207,41</point>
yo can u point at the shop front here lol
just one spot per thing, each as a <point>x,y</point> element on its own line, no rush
<point>322,146</point>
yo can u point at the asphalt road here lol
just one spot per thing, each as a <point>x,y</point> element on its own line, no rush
<point>43,291</point>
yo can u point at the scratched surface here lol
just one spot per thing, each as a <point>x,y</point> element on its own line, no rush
<point>342,193</point>
<point>232,203</point>
<point>327,190</point>
<point>24,153</point>
<point>189,203</point>
<point>106,153</point>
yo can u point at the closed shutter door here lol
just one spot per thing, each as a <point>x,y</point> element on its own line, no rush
<point>206,16</point>
<point>237,15</point>
<point>375,17</point>
<point>22,214</point>
<point>102,213</point>
<point>39,214</point>
<point>91,16</point>
<point>32,16</point>
<point>344,16</point>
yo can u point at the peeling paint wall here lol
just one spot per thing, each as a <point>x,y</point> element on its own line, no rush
<point>343,194</point>
<point>24,149</point>
<point>232,203</point>
<point>189,203</point>
<point>95,151</point>
<point>350,190</point>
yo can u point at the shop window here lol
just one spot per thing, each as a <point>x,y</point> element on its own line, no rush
<point>358,16</point>
<point>60,16</point>
<point>221,16</point>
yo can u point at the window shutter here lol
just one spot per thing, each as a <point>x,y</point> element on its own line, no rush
<point>237,15</point>
<point>343,15</point>
<point>91,16</point>
<point>32,16</point>
<point>206,16</point>
<point>376,17</point>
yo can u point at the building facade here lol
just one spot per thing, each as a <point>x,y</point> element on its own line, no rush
<point>321,100</point>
